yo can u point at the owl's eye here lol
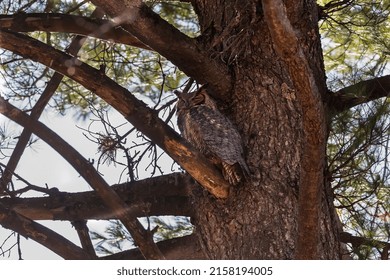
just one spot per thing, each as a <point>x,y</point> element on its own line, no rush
<point>181,104</point>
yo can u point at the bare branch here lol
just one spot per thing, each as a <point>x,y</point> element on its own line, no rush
<point>48,238</point>
<point>86,170</point>
<point>359,93</point>
<point>135,111</point>
<point>357,241</point>
<point>38,108</point>
<point>85,240</point>
<point>54,22</point>
<point>184,52</point>
<point>287,47</point>
<point>162,195</point>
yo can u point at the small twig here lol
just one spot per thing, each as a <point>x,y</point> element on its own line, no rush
<point>3,252</point>
<point>162,84</point>
<point>30,187</point>
<point>19,246</point>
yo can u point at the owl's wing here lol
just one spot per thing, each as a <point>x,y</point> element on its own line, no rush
<point>215,134</point>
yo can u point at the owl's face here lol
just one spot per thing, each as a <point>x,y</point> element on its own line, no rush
<point>189,100</point>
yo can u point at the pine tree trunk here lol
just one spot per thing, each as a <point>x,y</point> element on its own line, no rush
<point>259,220</point>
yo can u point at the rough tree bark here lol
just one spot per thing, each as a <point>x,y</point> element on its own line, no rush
<point>271,102</point>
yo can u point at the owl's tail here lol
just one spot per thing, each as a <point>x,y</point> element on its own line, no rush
<point>235,173</point>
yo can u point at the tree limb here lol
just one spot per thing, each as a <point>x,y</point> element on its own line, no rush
<point>135,111</point>
<point>183,51</point>
<point>183,248</point>
<point>357,241</point>
<point>54,22</point>
<point>143,240</point>
<point>162,195</point>
<point>287,47</point>
<point>359,93</point>
<point>41,234</point>
<point>85,240</point>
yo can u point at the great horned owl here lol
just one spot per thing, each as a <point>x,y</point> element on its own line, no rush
<point>205,127</point>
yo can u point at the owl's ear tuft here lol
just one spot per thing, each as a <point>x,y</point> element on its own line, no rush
<point>197,98</point>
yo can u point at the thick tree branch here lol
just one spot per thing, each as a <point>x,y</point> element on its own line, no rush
<point>184,52</point>
<point>357,241</point>
<point>311,176</point>
<point>48,238</point>
<point>135,111</point>
<point>86,170</point>
<point>91,27</point>
<point>162,195</point>
<point>359,93</point>
<point>183,248</point>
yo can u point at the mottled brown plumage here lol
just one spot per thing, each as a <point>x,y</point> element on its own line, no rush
<point>205,127</point>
